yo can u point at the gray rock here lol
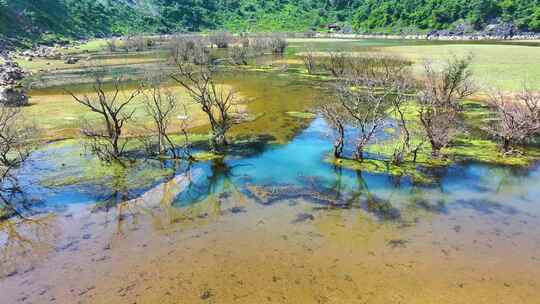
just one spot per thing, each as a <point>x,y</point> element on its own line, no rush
<point>13,96</point>
<point>11,91</point>
<point>71,60</point>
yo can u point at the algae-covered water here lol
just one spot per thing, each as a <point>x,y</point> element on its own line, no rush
<point>271,222</point>
<point>275,224</point>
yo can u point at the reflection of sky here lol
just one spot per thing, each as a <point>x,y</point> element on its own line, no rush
<point>478,186</point>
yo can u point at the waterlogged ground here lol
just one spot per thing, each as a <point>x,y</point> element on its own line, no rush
<point>272,222</point>
<point>278,226</point>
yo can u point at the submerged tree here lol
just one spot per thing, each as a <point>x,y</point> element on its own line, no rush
<point>310,62</point>
<point>189,48</point>
<point>278,44</point>
<point>517,120</point>
<point>438,100</point>
<point>106,140</point>
<point>336,63</point>
<point>160,104</point>
<point>337,117</point>
<point>239,55</point>
<point>14,151</point>
<point>367,107</point>
<point>215,101</point>
<point>221,39</point>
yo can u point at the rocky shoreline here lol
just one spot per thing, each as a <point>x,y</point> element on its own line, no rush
<point>436,35</point>
<point>496,31</point>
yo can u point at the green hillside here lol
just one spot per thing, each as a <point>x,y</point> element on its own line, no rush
<point>46,19</point>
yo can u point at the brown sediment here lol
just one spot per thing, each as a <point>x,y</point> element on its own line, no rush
<point>263,255</point>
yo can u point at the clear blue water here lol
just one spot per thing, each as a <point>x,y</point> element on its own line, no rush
<point>297,169</point>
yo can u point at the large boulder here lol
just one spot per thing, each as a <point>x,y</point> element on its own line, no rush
<point>71,60</point>
<point>502,30</point>
<point>11,73</point>
<point>12,92</point>
<point>13,96</point>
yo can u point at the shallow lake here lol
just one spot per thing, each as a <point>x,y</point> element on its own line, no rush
<point>272,222</point>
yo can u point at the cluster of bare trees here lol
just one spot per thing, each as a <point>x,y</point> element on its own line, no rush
<point>114,103</point>
<point>132,43</point>
<point>373,93</point>
<point>369,88</point>
<point>438,100</point>
<point>240,50</point>
<point>221,40</point>
<point>517,119</point>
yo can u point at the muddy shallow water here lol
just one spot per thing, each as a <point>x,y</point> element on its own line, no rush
<point>281,226</point>
<point>273,222</point>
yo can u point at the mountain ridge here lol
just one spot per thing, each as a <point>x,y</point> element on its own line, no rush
<point>54,19</point>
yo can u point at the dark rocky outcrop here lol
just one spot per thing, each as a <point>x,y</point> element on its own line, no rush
<point>498,30</point>
<point>71,60</point>
<point>12,92</point>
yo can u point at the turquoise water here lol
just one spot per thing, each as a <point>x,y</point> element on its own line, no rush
<point>286,171</point>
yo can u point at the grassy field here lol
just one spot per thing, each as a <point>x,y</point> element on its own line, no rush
<point>497,65</point>
<point>504,67</point>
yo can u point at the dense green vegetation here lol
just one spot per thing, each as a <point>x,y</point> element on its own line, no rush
<point>438,14</point>
<point>75,18</point>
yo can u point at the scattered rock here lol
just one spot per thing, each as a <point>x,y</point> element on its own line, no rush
<point>398,243</point>
<point>302,217</point>
<point>73,245</point>
<point>236,210</point>
<point>207,294</point>
<point>71,60</point>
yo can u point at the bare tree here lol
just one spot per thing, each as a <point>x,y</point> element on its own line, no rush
<point>310,62</point>
<point>106,140</point>
<point>160,104</point>
<point>14,151</point>
<point>221,39</point>
<point>239,55</point>
<point>337,117</point>
<point>278,44</point>
<point>336,63</point>
<point>439,98</point>
<point>190,49</point>
<point>517,120</point>
<point>112,44</point>
<point>215,101</point>
<point>260,45</point>
<point>137,43</point>
<point>367,106</point>
<point>393,75</point>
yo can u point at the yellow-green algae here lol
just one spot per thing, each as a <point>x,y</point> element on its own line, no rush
<point>382,167</point>
<point>303,115</point>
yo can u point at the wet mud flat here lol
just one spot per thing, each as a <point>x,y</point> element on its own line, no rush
<point>292,251</point>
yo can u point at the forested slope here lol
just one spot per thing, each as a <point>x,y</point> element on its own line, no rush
<point>48,19</point>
